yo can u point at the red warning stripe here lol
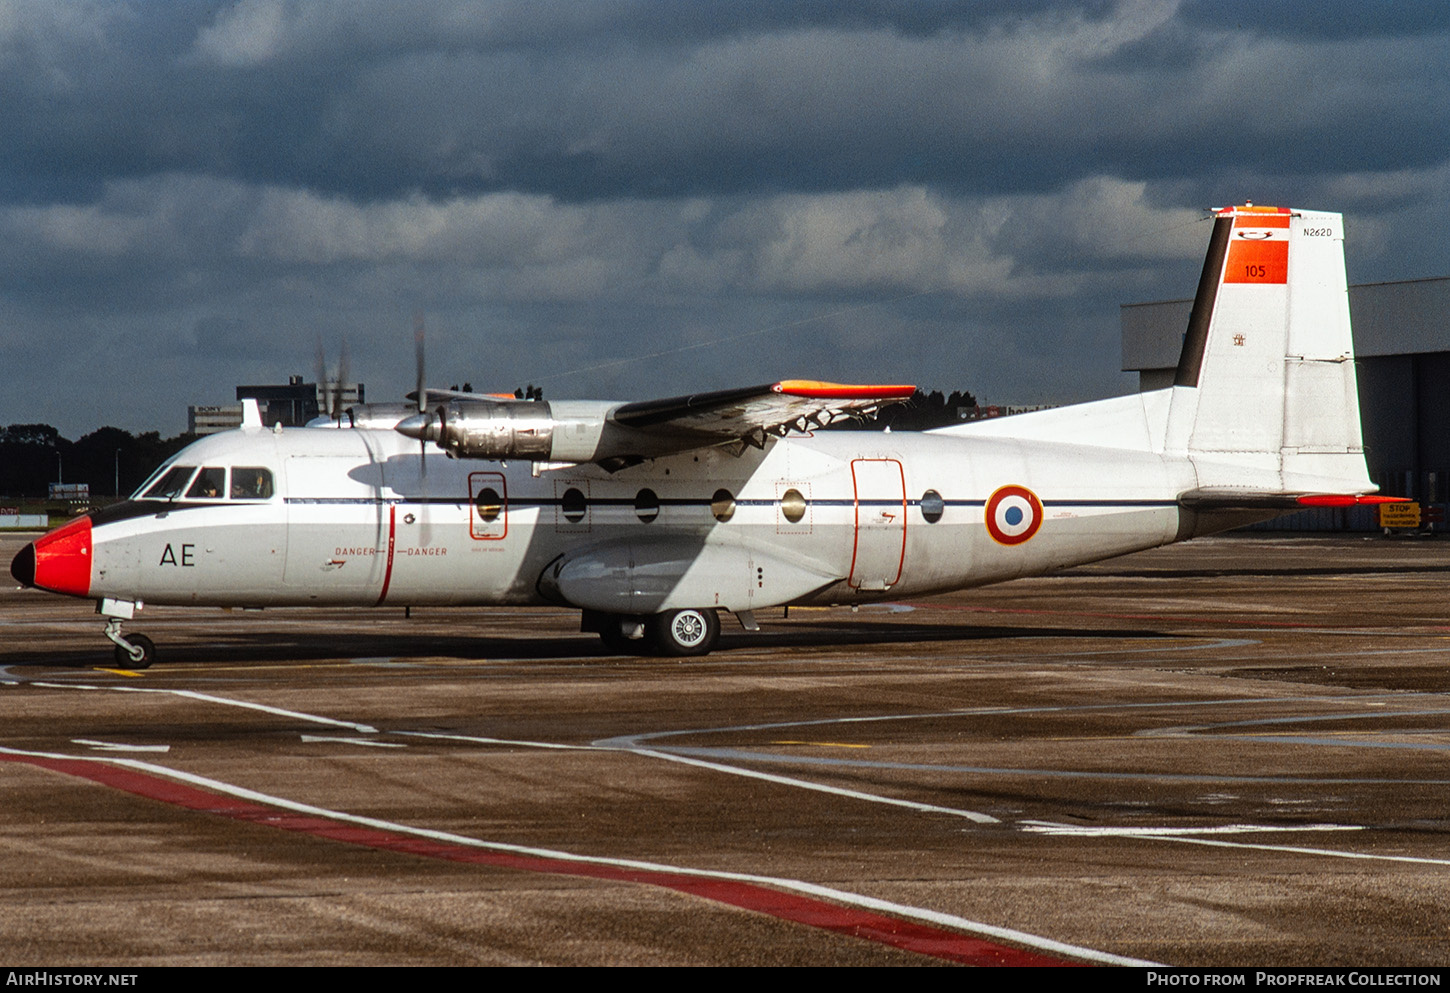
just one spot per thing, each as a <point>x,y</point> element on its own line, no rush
<point>895,932</point>
<point>392,541</point>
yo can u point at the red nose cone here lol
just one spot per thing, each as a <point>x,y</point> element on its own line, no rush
<point>63,559</point>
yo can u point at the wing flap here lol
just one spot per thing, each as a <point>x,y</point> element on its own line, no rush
<point>748,415</point>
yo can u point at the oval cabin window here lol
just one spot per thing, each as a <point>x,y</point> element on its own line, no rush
<point>932,506</point>
<point>646,505</point>
<point>722,505</point>
<point>793,505</point>
<point>573,505</point>
<point>489,504</point>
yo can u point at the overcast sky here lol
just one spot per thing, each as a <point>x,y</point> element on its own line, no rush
<point>629,200</point>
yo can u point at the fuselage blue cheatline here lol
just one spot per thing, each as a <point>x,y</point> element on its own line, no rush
<point>653,516</point>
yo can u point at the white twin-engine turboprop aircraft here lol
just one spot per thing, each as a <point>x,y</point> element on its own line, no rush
<point>652,517</point>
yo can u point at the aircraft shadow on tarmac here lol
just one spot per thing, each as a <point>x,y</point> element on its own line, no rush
<point>273,647</point>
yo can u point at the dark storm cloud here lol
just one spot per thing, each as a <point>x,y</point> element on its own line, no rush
<point>191,193</point>
<point>1340,19</point>
<point>593,100</point>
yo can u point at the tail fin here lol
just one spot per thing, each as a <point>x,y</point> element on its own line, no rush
<point>1266,378</point>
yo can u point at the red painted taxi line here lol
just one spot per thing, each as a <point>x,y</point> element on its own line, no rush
<point>897,933</point>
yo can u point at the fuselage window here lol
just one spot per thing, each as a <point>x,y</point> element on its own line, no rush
<point>210,484</point>
<point>573,505</point>
<point>722,505</point>
<point>171,485</point>
<point>489,504</point>
<point>932,506</point>
<point>251,483</point>
<point>793,505</point>
<point>646,505</point>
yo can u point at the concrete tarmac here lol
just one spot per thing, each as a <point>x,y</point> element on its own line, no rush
<point>1231,752</point>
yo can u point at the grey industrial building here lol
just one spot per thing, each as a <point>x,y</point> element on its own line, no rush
<point>1402,343</point>
<point>291,404</point>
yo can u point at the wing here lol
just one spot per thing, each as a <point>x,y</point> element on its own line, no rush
<point>618,435</point>
<point>741,417</point>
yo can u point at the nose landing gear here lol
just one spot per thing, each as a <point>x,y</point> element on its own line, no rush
<point>134,652</point>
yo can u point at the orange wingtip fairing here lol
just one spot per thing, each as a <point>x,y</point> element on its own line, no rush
<point>841,391</point>
<point>1346,500</point>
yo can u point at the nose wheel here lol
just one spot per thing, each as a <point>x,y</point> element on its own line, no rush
<point>132,651</point>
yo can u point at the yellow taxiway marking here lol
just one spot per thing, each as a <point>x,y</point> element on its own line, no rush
<point>822,744</point>
<point>120,672</point>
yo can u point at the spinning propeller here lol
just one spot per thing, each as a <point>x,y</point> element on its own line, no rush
<point>331,386</point>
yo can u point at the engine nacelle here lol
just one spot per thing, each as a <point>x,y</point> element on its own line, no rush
<point>534,430</point>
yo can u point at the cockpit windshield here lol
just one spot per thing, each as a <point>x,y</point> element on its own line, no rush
<point>210,484</point>
<point>171,484</point>
<point>251,482</point>
<point>187,482</point>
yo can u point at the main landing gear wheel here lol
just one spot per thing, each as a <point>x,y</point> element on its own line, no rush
<point>684,632</point>
<point>148,653</point>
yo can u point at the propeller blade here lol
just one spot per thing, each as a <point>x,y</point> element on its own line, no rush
<point>342,374</point>
<point>422,396</point>
<point>320,376</point>
<point>418,358</point>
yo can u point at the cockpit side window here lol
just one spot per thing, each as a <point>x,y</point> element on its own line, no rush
<point>172,484</point>
<point>251,482</point>
<point>210,484</point>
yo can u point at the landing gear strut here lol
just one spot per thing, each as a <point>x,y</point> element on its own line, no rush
<point>134,652</point>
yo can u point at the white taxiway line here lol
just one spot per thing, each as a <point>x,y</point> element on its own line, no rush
<point>1300,850</point>
<point>1172,834</point>
<point>806,784</point>
<point>220,700</point>
<point>793,885</point>
<point>115,746</point>
<point>339,739</point>
<point>803,784</point>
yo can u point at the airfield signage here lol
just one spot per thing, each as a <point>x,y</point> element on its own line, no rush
<point>1399,515</point>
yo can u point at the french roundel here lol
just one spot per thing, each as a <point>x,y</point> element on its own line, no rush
<point>1013,515</point>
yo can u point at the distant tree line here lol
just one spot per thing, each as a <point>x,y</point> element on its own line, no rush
<point>34,455</point>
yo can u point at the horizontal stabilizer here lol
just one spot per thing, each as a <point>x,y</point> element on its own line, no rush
<point>1226,498</point>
